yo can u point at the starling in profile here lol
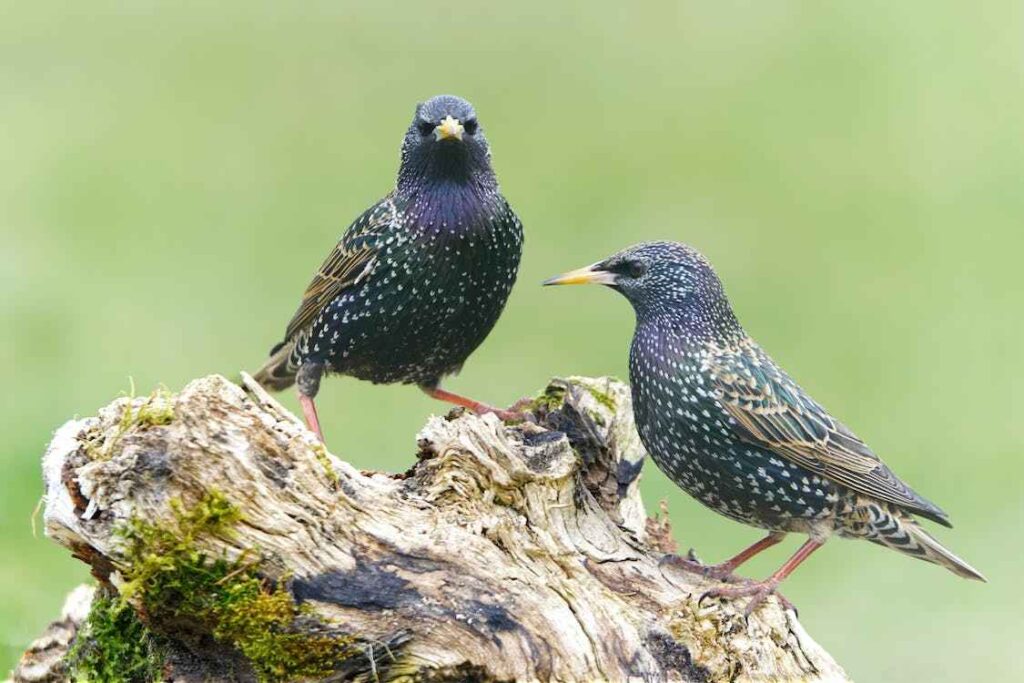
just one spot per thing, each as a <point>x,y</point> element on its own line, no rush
<point>733,430</point>
<point>418,281</point>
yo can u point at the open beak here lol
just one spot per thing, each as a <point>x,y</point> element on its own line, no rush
<point>448,128</point>
<point>591,275</point>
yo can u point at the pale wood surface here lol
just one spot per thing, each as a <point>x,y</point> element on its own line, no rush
<point>504,553</point>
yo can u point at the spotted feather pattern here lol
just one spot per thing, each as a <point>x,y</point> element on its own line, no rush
<point>433,291</point>
<point>351,260</point>
<point>418,280</point>
<point>733,430</point>
<point>771,410</point>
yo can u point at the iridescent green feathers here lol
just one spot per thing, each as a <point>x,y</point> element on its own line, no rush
<point>772,411</point>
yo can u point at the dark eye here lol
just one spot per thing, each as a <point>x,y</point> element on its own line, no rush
<point>470,126</point>
<point>425,128</point>
<point>630,269</point>
<point>636,269</point>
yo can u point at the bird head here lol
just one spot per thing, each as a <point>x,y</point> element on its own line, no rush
<point>445,142</point>
<point>660,278</point>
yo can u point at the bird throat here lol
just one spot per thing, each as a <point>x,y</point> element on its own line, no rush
<point>453,202</point>
<point>694,323</point>
<point>446,169</point>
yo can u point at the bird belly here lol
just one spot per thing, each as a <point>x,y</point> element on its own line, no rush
<point>420,315</point>
<point>691,439</point>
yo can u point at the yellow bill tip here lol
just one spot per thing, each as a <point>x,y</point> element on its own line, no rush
<point>448,128</point>
<point>582,276</point>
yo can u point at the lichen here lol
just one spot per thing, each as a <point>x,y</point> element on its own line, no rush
<point>155,411</point>
<point>113,645</point>
<point>702,631</point>
<point>169,577</point>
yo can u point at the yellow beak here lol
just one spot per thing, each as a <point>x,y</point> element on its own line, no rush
<point>590,275</point>
<point>448,128</point>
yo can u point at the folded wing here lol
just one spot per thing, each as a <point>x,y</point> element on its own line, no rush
<point>773,412</point>
<point>351,260</point>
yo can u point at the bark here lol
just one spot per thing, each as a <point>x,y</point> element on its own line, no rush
<point>505,552</point>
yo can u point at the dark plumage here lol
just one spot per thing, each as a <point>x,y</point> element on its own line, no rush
<point>733,430</point>
<point>418,281</point>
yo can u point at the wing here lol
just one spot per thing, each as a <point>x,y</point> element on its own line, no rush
<point>351,260</point>
<point>772,411</point>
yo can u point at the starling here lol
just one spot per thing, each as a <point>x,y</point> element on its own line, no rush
<point>417,282</point>
<point>733,430</point>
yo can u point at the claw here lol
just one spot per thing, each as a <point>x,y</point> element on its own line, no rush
<point>521,405</point>
<point>757,591</point>
<point>505,415</point>
<point>686,564</point>
<point>716,572</point>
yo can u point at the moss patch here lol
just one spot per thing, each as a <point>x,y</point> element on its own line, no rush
<point>156,410</point>
<point>604,399</point>
<point>113,645</point>
<point>177,582</point>
<point>552,398</point>
<point>320,451</point>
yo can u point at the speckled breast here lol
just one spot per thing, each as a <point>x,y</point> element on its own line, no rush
<point>433,296</point>
<point>691,439</point>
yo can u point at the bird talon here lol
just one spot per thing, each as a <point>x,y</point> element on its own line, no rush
<point>686,564</point>
<point>706,595</point>
<point>511,416</point>
<point>500,413</point>
<point>723,573</point>
<point>521,405</point>
<point>714,572</point>
<point>757,591</point>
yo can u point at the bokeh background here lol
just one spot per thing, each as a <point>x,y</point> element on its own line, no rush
<point>172,173</point>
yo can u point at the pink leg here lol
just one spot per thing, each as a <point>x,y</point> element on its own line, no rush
<point>309,412</point>
<point>729,566</point>
<point>723,571</point>
<point>759,590</point>
<point>475,406</point>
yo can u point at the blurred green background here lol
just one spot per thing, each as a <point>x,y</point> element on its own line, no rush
<point>172,173</point>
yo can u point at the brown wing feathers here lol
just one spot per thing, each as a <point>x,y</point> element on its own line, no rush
<point>773,412</point>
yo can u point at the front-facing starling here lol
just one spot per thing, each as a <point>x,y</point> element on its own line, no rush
<point>733,430</point>
<point>417,282</point>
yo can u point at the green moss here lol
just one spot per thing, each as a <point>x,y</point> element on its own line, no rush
<point>113,645</point>
<point>172,578</point>
<point>604,399</point>
<point>156,410</point>
<point>320,451</point>
<point>550,399</point>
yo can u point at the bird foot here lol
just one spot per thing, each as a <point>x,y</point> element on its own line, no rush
<point>477,407</point>
<point>510,415</point>
<point>757,591</point>
<point>521,405</point>
<point>717,572</point>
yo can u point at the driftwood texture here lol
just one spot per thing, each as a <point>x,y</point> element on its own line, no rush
<point>506,552</point>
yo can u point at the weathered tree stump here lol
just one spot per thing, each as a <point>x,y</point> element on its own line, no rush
<point>228,544</point>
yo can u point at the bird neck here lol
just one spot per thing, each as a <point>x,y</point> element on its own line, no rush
<point>691,324</point>
<point>439,203</point>
<point>455,170</point>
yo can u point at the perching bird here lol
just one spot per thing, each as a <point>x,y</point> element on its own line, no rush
<point>418,281</point>
<point>733,430</point>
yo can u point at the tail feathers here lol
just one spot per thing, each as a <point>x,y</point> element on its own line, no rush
<point>904,534</point>
<point>279,371</point>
